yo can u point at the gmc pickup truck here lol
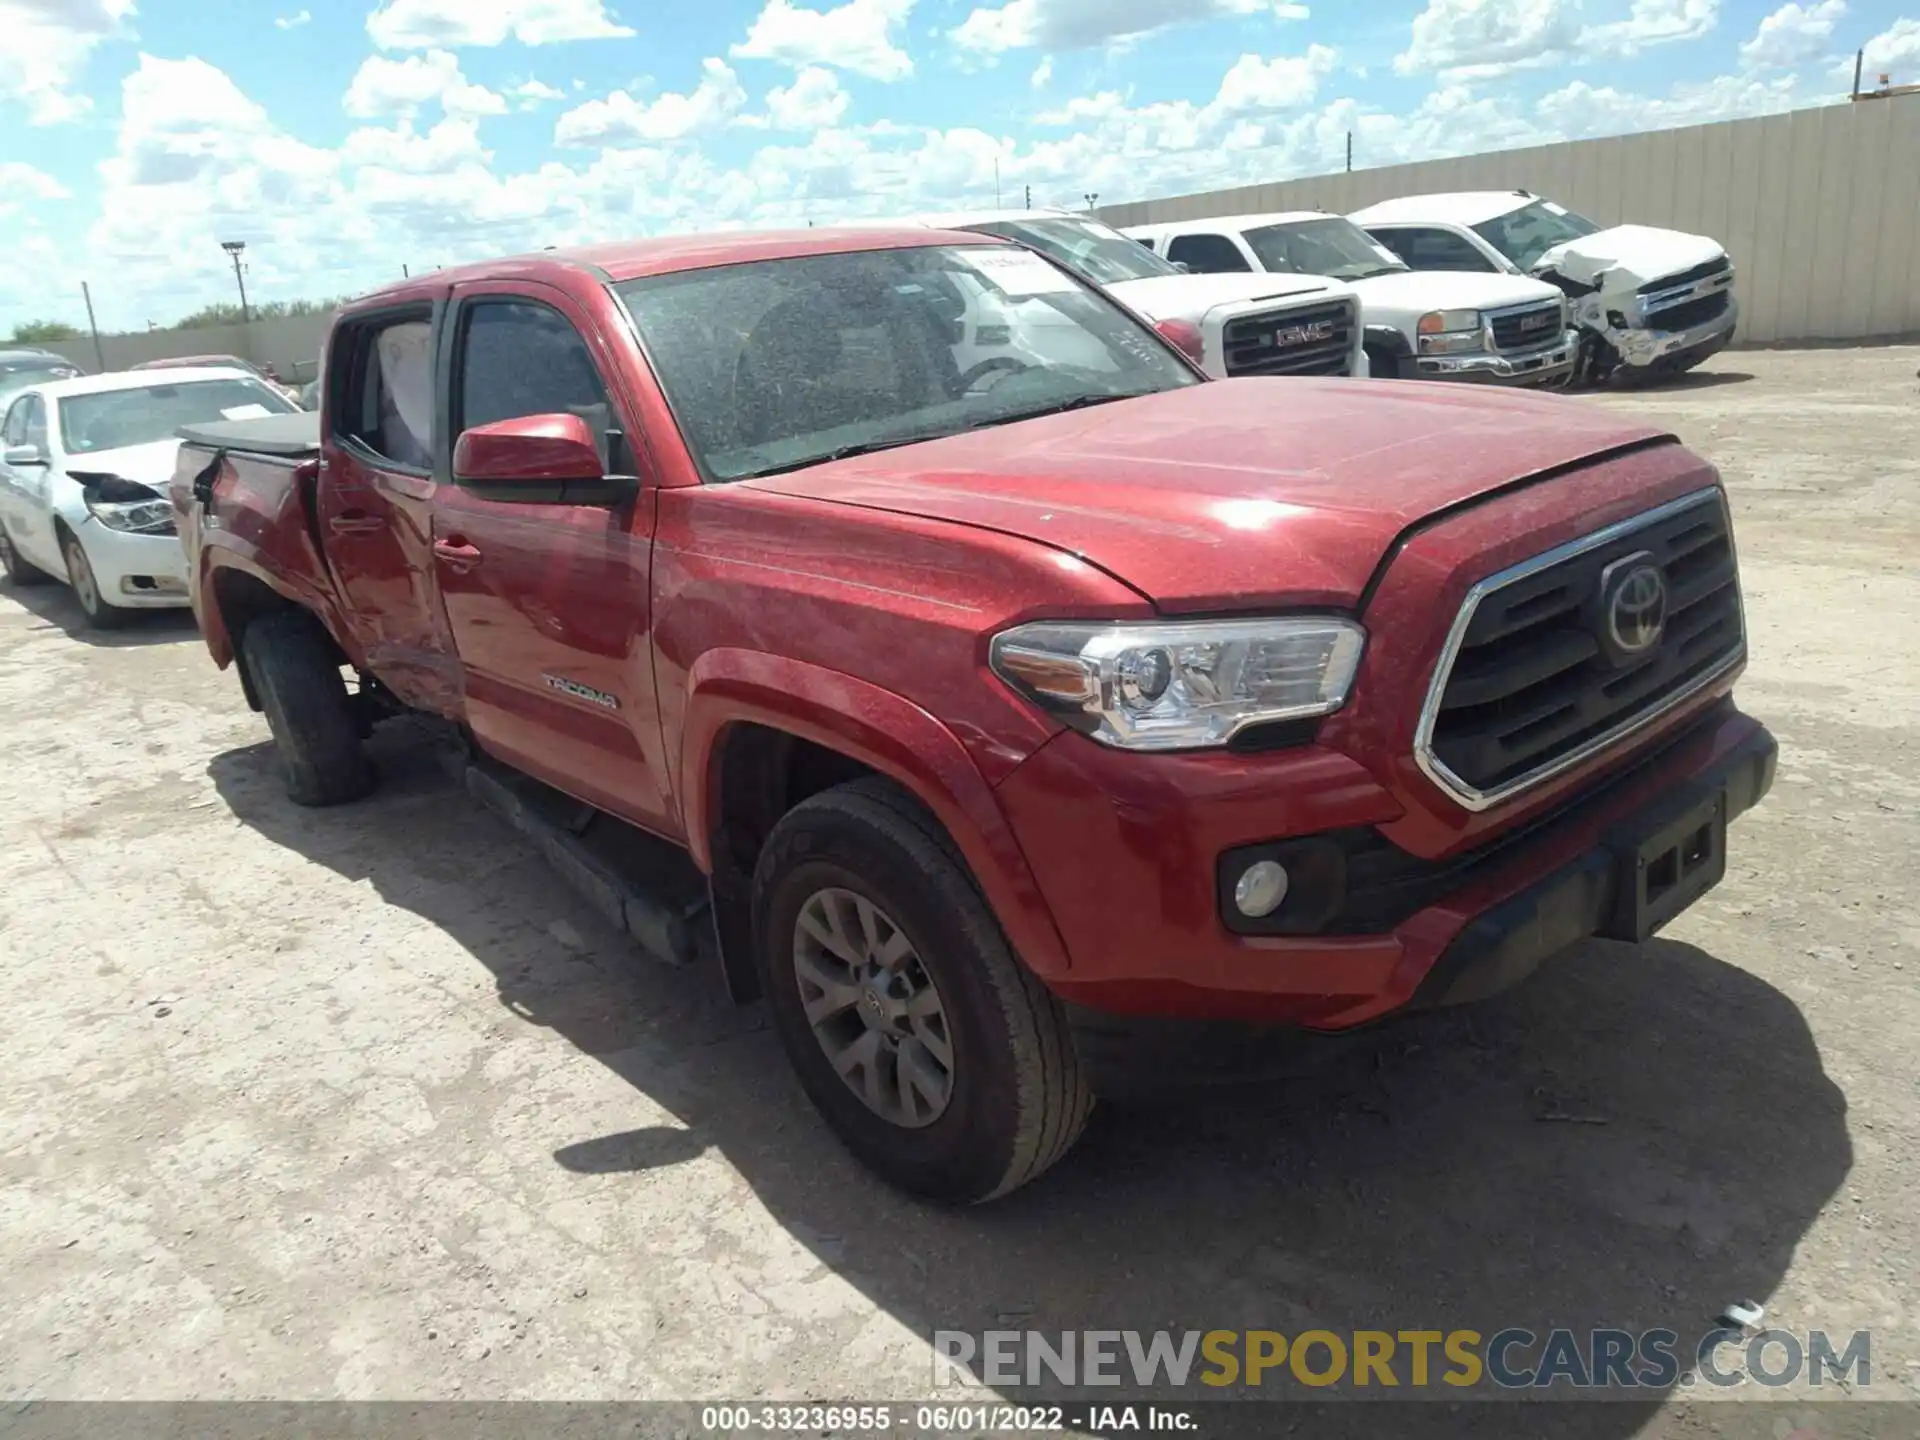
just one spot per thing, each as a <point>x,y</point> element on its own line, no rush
<point>997,709</point>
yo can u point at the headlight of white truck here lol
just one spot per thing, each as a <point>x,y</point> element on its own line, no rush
<point>1449,332</point>
<point>1181,685</point>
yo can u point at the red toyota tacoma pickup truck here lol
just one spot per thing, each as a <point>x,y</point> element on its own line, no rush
<point>997,707</point>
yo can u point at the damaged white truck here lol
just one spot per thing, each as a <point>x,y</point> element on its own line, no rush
<point>1650,302</point>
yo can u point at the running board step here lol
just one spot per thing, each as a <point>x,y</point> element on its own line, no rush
<point>642,885</point>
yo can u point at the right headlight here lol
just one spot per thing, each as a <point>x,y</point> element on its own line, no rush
<point>1446,332</point>
<point>1181,685</point>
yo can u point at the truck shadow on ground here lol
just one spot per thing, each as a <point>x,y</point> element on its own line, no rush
<point>56,609</point>
<point>1635,1139</point>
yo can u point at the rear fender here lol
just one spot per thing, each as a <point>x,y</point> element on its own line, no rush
<point>883,731</point>
<point>220,567</point>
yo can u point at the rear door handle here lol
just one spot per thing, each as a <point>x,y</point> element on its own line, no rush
<point>355,522</point>
<point>457,554</point>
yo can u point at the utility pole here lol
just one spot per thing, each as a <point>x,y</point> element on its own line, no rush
<point>1029,197</point>
<point>233,249</point>
<point>1093,198</point>
<point>99,355</point>
<point>996,182</point>
<point>1859,65</point>
<point>1349,152</point>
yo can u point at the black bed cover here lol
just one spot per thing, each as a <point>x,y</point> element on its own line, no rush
<point>293,435</point>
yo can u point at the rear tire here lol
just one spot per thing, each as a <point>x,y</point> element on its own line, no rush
<point>86,588</point>
<point>19,570</point>
<point>1015,1097</point>
<point>315,729</point>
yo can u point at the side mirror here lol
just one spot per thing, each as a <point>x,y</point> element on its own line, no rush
<point>1183,267</point>
<point>536,460</point>
<point>25,455</point>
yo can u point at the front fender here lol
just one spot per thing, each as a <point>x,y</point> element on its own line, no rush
<point>884,731</point>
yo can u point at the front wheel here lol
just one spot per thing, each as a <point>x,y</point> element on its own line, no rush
<point>297,677</point>
<point>86,588</point>
<point>932,1052</point>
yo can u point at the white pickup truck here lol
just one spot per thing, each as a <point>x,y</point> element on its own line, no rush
<point>1651,302</point>
<point>1231,325</point>
<point>1496,330</point>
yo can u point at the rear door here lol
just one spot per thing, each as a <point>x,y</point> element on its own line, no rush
<point>550,605</point>
<point>375,500</point>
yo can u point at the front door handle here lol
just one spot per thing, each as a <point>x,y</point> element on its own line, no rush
<point>355,522</point>
<point>457,554</point>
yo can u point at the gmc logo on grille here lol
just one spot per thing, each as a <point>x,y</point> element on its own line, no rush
<point>1536,322</point>
<point>1293,335</point>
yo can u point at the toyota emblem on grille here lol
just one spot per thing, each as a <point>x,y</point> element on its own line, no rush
<point>1634,601</point>
<point>1310,334</point>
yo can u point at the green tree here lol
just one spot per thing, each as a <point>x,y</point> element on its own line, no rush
<point>32,332</point>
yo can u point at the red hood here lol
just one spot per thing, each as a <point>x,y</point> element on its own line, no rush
<point>1235,493</point>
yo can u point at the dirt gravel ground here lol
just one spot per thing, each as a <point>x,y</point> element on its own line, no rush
<point>364,1104</point>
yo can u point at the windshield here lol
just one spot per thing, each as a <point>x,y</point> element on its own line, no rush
<point>1091,251</point>
<point>777,364</point>
<point>109,419</point>
<point>1524,235</point>
<point>1332,247</point>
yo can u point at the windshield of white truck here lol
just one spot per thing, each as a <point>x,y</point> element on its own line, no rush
<point>1338,249</point>
<point>109,419</point>
<point>777,364</point>
<point>1093,252</point>
<point>1524,235</point>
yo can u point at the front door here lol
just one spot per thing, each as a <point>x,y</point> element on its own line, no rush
<point>29,498</point>
<point>550,605</point>
<point>375,501</point>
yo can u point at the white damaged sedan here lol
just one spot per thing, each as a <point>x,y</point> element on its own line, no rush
<point>83,481</point>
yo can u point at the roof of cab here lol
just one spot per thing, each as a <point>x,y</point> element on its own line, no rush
<point>1217,223</point>
<point>661,255</point>
<point>1465,207</point>
<point>140,380</point>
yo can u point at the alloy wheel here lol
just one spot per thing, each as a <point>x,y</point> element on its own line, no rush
<point>873,1007</point>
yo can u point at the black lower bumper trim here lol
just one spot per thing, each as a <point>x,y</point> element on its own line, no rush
<point>1576,902</point>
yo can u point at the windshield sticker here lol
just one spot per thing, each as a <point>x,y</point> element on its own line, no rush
<point>1553,209</point>
<point>1020,273</point>
<point>245,412</point>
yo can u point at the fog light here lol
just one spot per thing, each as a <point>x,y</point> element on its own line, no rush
<point>1260,889</point>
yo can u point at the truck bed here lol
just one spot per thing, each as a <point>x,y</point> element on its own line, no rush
<point>294,436</point>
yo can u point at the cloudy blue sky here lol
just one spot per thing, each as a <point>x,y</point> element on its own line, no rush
<point>344,138</point>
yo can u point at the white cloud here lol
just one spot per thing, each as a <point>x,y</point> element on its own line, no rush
<point>1794,34</point>
<point>857,37</point>
<point>1042,73</point>
<point>813,101</point>
<point>1581,110</point>
<point>292,22</point>
<point>1278,84</point>
<point>383,87</point>
<point>20,182</point>
<point>621,119</point>
<point>1652,22</point>
<point>44,48</point>
<point>1474,38</point>
<point>423,24</point>
<point>1079,24</point>
<point>1894,51</point>
<point>532,94</point>
<point>1481,39</point>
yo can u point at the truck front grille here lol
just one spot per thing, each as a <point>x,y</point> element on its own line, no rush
<point>1688,277</point>
<point>1693,312</point>
<point>1528,329</point>
<point>1548,665</point>
<point>1313,341</point>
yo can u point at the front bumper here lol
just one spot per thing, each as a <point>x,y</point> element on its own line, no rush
<point>1655,349</point>
<point>136,572</point>
<point>1125,856</point>
<point>1550,364</point>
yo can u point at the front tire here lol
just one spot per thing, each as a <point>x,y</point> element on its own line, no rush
<point>19,570</point>
<point>297,677</point>
<point>86,588</point>
<point>932,1052</point>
